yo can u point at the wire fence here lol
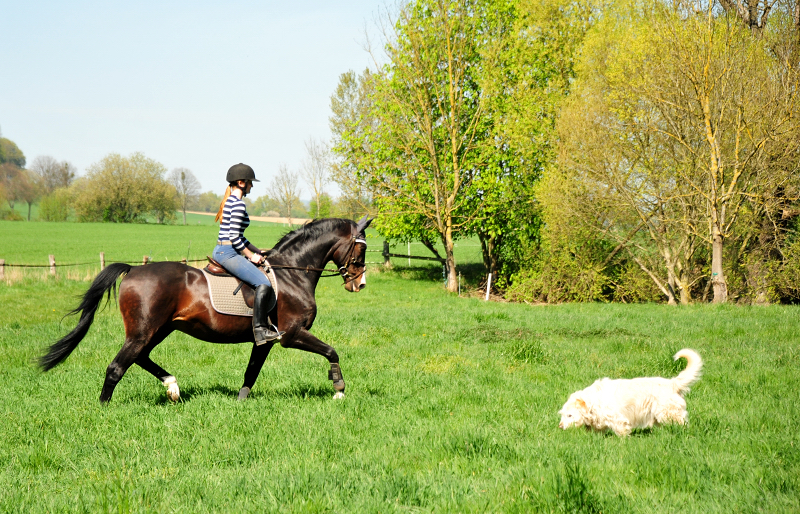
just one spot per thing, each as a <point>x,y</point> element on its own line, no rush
<point>10,272</point>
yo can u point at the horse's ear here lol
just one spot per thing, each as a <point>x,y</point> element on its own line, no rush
<point>363,223</point>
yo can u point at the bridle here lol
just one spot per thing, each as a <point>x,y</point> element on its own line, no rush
<point>349,260</point>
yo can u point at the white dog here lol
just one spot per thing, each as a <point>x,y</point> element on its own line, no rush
<point>622,405</point>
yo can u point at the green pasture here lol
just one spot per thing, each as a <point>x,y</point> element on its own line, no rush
<point>31,243</point>
<point>451,407</point>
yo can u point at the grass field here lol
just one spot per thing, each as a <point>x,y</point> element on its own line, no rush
<point>451,407</point>
<point>30,243</point>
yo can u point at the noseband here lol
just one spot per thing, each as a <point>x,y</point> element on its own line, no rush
<point>350,260</point>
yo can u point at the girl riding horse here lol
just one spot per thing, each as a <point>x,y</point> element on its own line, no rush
<point>239,256</point>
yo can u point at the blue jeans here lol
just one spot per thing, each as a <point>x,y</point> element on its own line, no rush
<point>239,266</point>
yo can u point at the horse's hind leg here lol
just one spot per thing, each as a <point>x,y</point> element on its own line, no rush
<point>116,370</point>
<point>166,378</point>
<point>136,349</point>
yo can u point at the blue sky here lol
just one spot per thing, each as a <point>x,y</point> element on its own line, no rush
<point>200,84</point>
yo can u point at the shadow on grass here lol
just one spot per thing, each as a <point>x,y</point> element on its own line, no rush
<point>304,391</point>
<point>472,274</point>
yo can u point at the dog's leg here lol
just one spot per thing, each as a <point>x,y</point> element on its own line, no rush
<point>672,411</point>
<point>621,427</point>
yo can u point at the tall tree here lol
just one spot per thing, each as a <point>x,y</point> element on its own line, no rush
<point>284,189</point>
<point>350,122</point>
<point>420,150</point>
<point>315,169</point>
<point>186,185</point>
<point>52,173</point>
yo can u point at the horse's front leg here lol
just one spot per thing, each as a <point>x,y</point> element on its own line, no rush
<point>305,340</point>
<point>257,358</point>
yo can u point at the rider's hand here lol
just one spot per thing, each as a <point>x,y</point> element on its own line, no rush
<point>255,258</point>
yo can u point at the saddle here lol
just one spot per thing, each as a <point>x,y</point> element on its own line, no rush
<point>216,269</point>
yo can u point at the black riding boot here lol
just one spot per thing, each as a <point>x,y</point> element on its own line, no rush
<point>262,304</point>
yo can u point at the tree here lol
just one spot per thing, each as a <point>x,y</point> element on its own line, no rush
<point>125,190</point>
<point>315,169</point>
<point>206,202</point>
<point>8,175</point>
<point>533,47</point>
<point>52,174</point>
<point>10,153</point>
<point>186,185</point>
<point>28,188</point>
<point>323,206</point>
<point>12,162</point>
<point>419,150</point>
<point>676,130</point>
<point>350,122</point>
<point>284,190</point>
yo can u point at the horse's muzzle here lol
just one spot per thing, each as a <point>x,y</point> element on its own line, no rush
<point>357,285</point>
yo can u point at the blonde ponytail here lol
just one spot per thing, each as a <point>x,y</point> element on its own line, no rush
<point>222,204</point>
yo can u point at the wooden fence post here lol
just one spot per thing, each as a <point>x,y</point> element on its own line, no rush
<point>102,261</point>
<point>488,287</point>
<point>145,260</point>
<point>52,264</point>
<point>2,269</point>
<point>387,262</point>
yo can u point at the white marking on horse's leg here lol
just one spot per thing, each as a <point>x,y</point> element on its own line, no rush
<point>338,396</point>
<point>173,393</point>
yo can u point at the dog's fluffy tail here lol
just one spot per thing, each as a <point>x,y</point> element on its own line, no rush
<point>690,375</point>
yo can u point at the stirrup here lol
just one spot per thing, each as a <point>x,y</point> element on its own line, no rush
<point>264,334</point>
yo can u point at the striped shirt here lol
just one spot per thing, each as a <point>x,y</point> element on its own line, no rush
<point>234,221</point>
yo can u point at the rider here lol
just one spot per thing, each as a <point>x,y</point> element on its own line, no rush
<point>238,255</point>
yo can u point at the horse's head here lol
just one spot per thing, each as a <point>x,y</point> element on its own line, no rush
<point>350,257</point>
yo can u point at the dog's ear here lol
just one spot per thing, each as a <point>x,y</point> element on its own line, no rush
<point>581,404</point>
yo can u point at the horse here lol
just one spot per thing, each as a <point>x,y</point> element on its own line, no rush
<point>159,298</point>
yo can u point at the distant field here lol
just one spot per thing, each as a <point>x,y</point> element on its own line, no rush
<point>451,407</point>
<point>71,243</point>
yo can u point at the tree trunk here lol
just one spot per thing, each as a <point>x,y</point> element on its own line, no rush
<point>450,264</point>
<point>184,215</point>
<point>671,281</point>
<point>29,211</point>
<point>717,275</point>
<point>488,245</point>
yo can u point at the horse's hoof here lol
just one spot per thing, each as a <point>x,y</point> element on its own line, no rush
<point>243,392</point>
<point>338,396</point>
<point>173,393</point>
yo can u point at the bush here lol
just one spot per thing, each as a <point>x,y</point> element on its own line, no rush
<point>559,278</point>
<point>124,190</point>
<point>10,215</point>
<point>57,206</point>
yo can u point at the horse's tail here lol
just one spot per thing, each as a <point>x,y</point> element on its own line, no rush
<point>104,284</point>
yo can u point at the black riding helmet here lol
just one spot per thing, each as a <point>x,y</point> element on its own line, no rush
<point>240,172</point>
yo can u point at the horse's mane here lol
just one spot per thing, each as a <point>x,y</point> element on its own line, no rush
<point>311,230</point>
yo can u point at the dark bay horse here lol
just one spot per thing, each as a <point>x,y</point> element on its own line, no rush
<point>158,298</point>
